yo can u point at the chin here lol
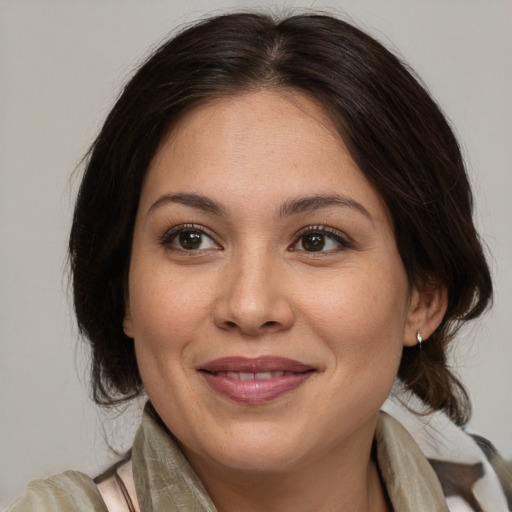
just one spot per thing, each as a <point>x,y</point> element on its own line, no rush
<point>254,449</point>
<point>261,458</point>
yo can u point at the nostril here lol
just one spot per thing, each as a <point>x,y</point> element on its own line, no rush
<point>229,324</point>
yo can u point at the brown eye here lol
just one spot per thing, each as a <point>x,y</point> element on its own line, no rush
<point>313,242</point>
<point>321,239</point>
<point>190,240</point>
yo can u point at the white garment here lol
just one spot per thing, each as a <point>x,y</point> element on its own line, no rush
<point>440,439</point>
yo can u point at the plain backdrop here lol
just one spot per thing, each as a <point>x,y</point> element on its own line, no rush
<point>62,64</point>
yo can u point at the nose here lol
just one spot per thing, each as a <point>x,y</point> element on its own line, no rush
<point>253,299</point>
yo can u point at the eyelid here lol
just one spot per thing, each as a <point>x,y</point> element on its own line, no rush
<point>339,236</point>
<point>171,234</point>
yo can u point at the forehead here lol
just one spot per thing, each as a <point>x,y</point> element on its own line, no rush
<point>281,116</point>
<point>256,144</point>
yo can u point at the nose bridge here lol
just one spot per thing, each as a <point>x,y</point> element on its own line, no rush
<point>253,299</point>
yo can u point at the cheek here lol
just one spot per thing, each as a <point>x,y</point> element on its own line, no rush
<point>166,308</point>
<point>361,316</point>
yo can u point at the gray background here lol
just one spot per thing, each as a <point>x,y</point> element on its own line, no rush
<point>61,66</point>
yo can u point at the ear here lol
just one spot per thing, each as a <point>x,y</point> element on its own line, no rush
<point>427,308</point>
<point>127,319</point>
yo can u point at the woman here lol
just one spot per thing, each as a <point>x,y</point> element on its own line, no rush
<point>274,224</point>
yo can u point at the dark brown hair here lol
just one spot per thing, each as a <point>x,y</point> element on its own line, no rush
<point>392,127</point>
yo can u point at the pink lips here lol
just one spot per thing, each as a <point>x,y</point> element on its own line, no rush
<point>255,381</point>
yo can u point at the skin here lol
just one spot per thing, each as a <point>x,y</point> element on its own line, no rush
<point>254,288</point>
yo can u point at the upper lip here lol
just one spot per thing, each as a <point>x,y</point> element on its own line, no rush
<point>255,365</point>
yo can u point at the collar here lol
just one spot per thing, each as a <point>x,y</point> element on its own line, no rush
<point>408,477</point>
<point>164,479</point>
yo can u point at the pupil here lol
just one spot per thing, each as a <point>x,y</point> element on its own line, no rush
<point>313,242</point>
<point>190,239</point>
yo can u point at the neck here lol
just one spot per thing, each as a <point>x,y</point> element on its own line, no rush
<point>344,480</point>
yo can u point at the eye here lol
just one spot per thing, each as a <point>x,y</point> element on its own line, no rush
<point>188,239</point>
<point>320,240</point>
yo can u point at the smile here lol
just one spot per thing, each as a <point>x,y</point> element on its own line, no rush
<point>255,381</point>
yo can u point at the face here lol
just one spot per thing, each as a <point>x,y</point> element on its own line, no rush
<point>267,299</point>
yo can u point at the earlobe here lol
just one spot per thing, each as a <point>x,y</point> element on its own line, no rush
<point>427,308</point>
<point>127,322</point>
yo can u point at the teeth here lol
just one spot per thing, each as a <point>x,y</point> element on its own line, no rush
<point>254,376</point>
<point>263,375</point>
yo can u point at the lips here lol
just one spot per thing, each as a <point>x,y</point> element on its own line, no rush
<point>255,381</point>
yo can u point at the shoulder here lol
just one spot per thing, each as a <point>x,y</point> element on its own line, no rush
<point>472,474</point>
<point>502,467</point>
<point>68,491</point>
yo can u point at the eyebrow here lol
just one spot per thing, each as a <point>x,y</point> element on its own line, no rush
<point>289,208</point>
<point>193,200</point>
<point>310,203</point>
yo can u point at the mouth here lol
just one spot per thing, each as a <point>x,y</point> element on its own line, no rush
<point>254,376</point>
<point>255,381</point>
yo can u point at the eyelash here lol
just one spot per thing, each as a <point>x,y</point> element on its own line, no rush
<point>333,234</point>
<point>170,236</point>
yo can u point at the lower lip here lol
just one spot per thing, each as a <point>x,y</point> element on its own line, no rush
<point>255,391</point>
